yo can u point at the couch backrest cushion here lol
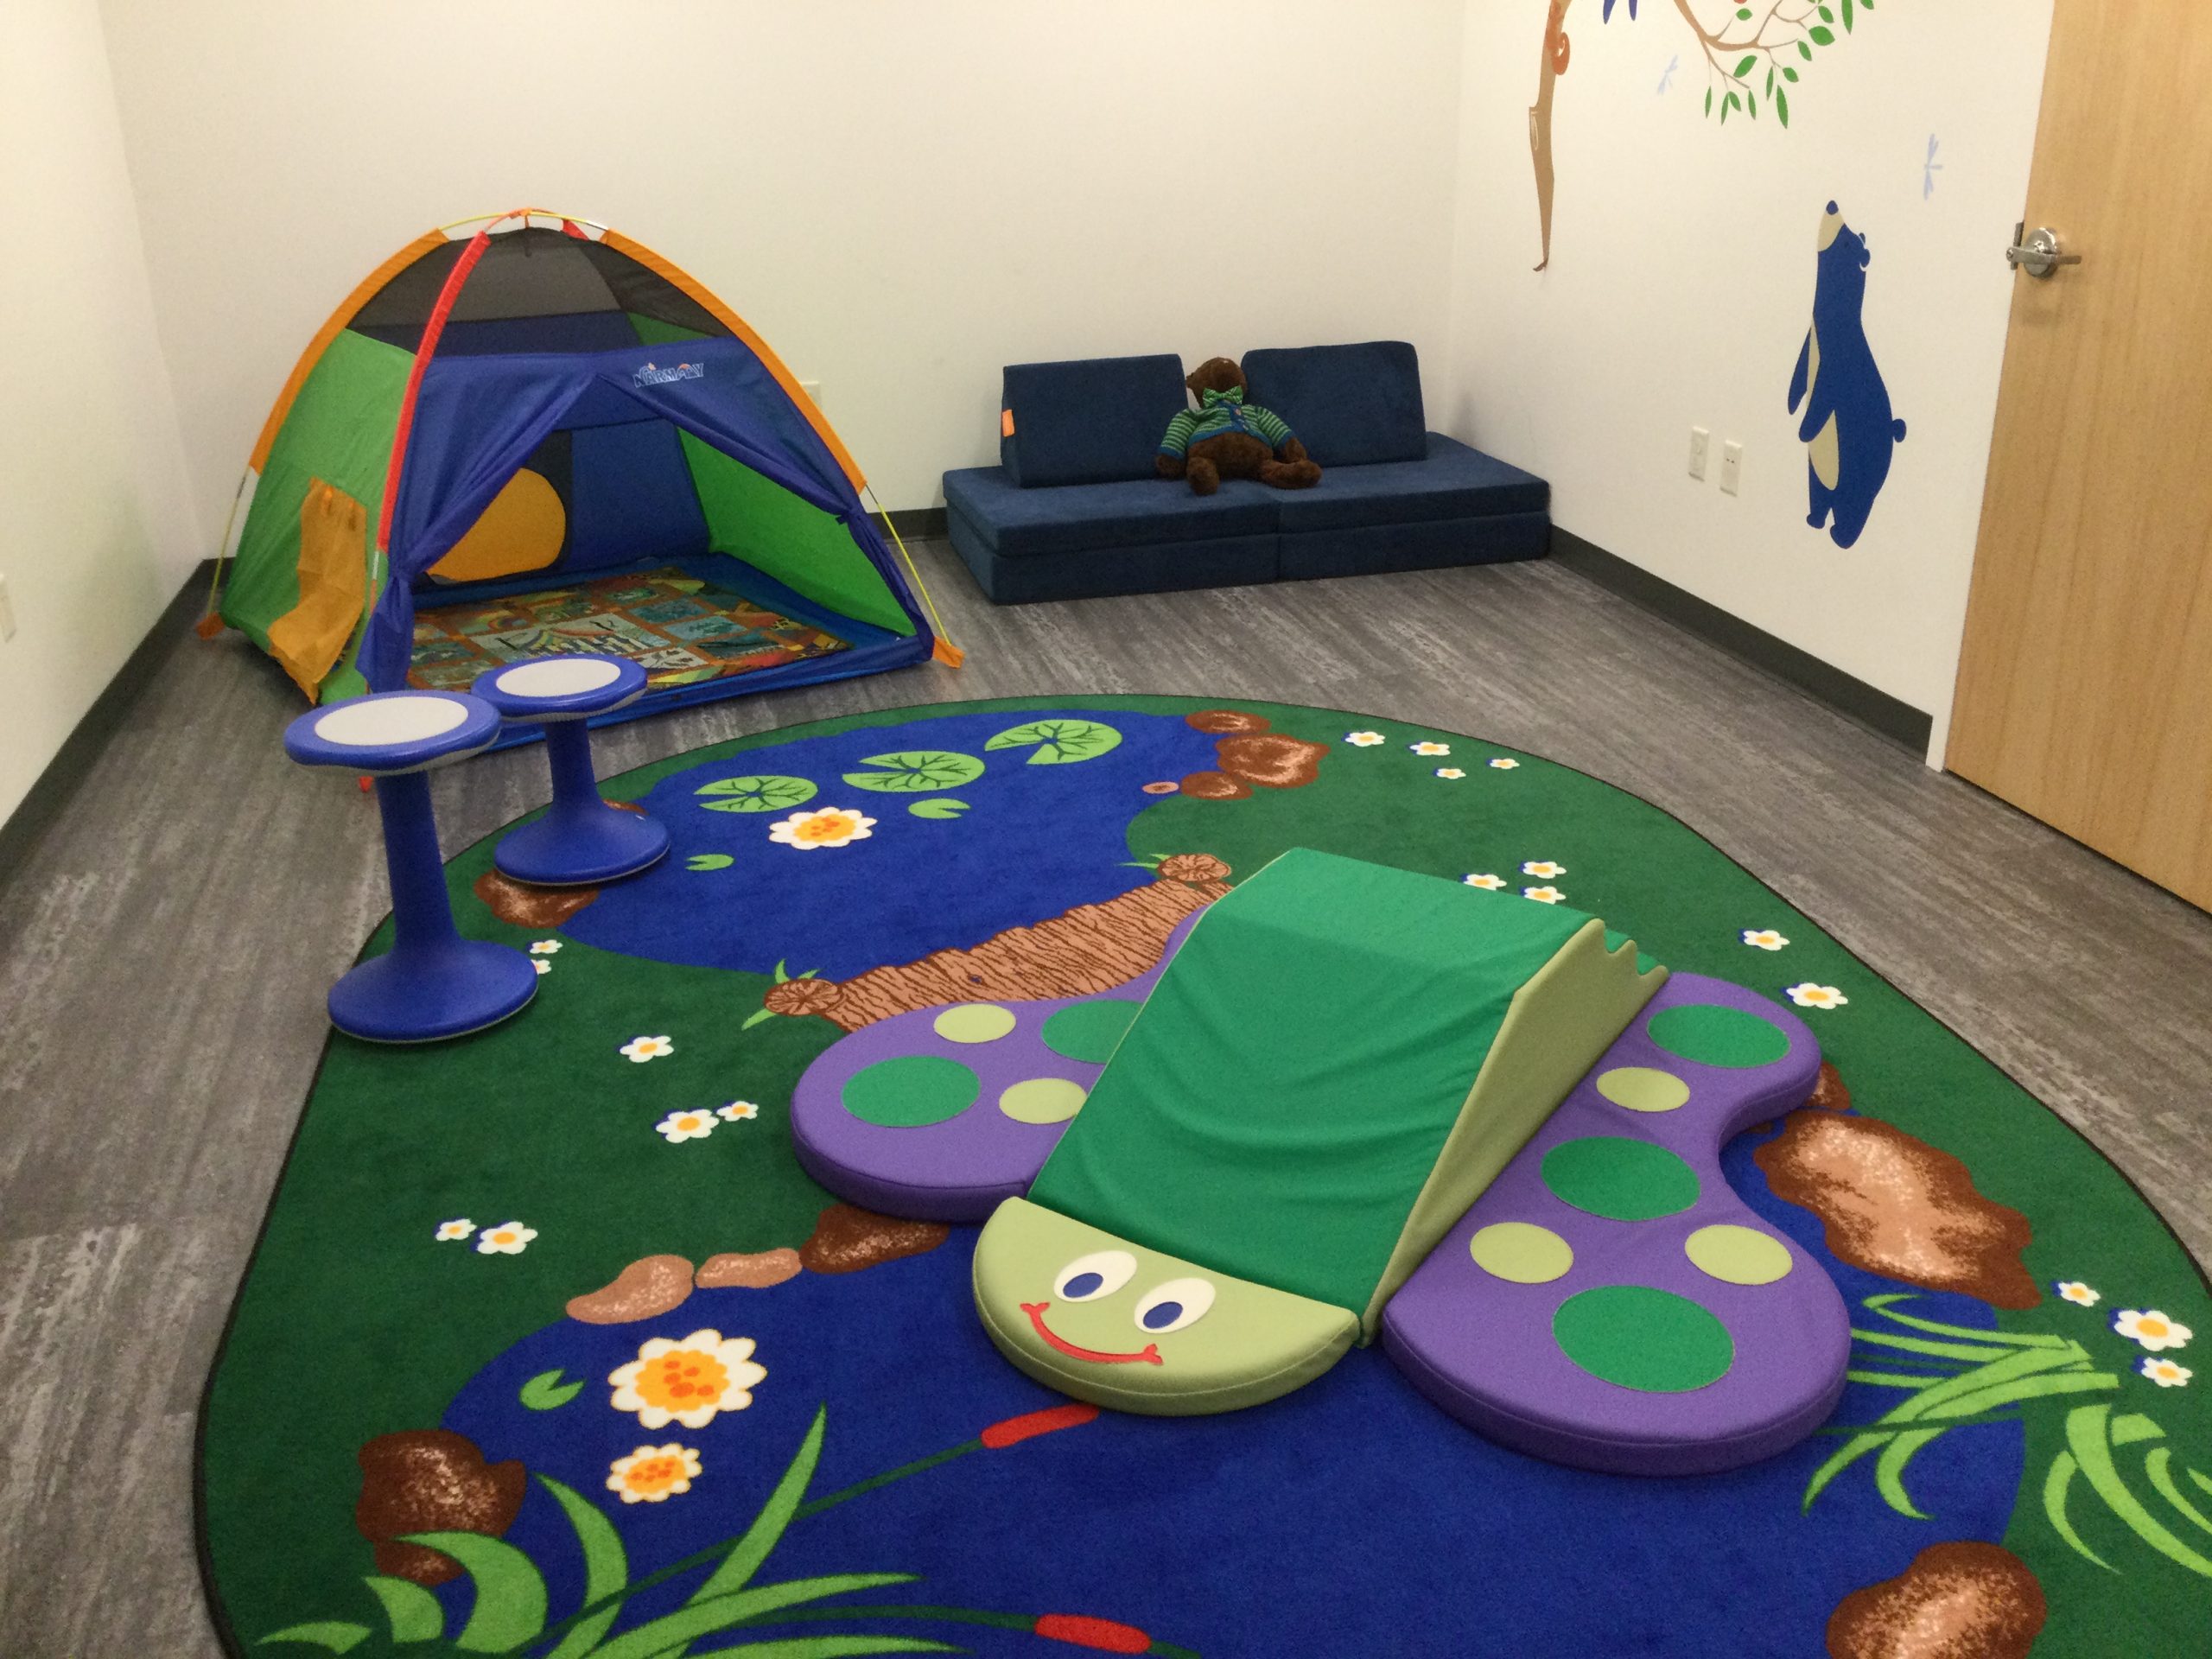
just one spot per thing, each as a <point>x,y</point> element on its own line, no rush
<point>1095,421</point>
<point>1349,405</point>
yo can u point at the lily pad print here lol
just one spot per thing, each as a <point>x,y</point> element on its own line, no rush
<point>916,771</point>
<point>757,794</point>
<point>1059,742</point>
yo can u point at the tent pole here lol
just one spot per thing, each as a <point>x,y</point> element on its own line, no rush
<point>948,653</point>
<point>210,624</point>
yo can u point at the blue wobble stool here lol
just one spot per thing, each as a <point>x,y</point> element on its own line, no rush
<point>580,840</point>
<point>432,983</point>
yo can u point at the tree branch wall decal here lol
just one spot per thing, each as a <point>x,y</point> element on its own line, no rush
<point>1754,56</point>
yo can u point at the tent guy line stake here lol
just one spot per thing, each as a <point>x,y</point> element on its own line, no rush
<point>953,655</point>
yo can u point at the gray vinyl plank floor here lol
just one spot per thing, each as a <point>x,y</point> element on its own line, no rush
<point>164,950</point>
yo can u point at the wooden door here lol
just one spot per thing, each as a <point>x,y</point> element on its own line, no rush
<point>2085,688</point>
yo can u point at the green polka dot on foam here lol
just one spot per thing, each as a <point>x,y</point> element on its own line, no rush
<point>1521,1252</point>
<point>911,1091</point>
<point>1087,1031</point>
<point>1619,1178</point>
<point>1737,1256</point>
<point>974,1022</point>
<point>1643,1089</point>
<point>1711,1035</point>
<point>1042,1100</point>
<point>1650,1340</point>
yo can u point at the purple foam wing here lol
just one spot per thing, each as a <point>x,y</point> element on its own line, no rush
<point>942,1114</point>
<point>1610,1302</point>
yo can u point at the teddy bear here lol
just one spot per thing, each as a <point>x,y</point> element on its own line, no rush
<point>1227,437</point>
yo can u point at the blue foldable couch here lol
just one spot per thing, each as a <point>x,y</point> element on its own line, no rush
<point>1074,509</point>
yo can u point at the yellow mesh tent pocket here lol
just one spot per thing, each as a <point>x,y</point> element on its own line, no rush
<point>333,586</point>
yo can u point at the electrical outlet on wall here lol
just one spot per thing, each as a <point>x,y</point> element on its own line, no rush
<point>1732,466</point>
<point>7,613</point>
<point>1700,438</point>
<point>812,389</point>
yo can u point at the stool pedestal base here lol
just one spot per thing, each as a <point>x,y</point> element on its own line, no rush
<point>580,840</point>
<point>582,843</point>
<point>432,983</point>
<point>426,993</point>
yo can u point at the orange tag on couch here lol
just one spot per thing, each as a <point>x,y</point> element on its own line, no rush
<point>1006,422</point>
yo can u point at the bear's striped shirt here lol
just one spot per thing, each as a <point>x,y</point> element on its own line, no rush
<point>1224,412</point>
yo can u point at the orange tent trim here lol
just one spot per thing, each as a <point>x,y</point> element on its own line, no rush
<point>737,325</point>
<point>363,292</point>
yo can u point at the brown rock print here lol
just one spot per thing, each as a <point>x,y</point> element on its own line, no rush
<point>1955,1601</point>
<point>1273,761</point>
<point>648,1287</point>
<point>1091,949</point>
<point>1224,722</point>
<point>431,1480</point>
<point>1215,786</point>
<point>525,906</point>
<point>1829,1094</point>
<point>847,1238</point>
<point>758,1271</point>
<point>1897,1206</point>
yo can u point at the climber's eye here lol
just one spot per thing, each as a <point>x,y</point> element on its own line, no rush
<point>1088,1277</point>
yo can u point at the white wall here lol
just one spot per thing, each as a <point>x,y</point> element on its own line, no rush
<point>900,198</point>
<point>97,526</point>
<point>1680,287</point>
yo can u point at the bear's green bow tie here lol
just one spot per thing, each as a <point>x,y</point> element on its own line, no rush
<point>1234,395</point>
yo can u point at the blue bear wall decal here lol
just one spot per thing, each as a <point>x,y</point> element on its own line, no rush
<point>1847,427</point>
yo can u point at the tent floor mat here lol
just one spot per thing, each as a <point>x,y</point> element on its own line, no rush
<point>682,629</point>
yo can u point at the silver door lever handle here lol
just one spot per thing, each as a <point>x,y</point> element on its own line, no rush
<point>2037,252</point>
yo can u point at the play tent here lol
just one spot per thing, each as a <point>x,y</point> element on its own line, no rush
<point>530,436</point>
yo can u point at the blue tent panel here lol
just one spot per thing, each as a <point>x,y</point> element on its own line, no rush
<point>479,418</point>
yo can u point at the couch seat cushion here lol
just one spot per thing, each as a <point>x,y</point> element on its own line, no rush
<point>1015,522</point>
<point>1453,481</point>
